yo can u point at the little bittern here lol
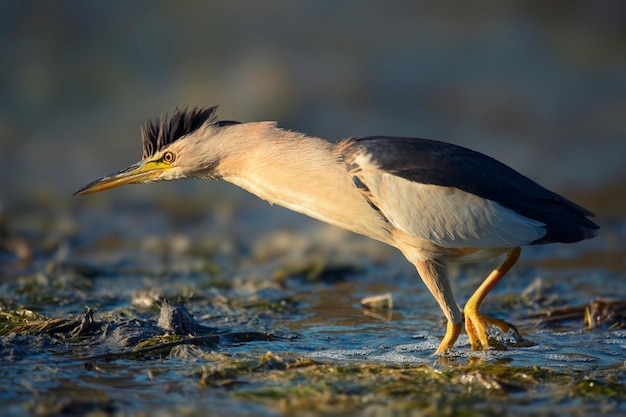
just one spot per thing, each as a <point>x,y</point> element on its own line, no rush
<point>434,201</point>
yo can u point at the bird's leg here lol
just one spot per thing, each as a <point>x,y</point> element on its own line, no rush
<point>434,275</point>
<point>474,321</point>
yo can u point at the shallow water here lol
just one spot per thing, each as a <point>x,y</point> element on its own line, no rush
<point>251,293</point>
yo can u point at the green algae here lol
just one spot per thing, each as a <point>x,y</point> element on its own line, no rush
<point>270,331</point>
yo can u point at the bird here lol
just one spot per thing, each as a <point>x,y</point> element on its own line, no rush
<point>436,202</point>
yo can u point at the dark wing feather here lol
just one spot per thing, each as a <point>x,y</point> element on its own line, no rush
<point>439,163</point>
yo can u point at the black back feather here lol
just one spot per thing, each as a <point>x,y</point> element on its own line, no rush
<point>157,134</point>
<point>439,163</point>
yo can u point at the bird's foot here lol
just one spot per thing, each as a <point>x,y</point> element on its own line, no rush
<point>476,327</point>
<point>452,333</point>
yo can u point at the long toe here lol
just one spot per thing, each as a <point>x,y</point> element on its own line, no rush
<point>452,333</point>
<point>504,326</point>
<point>509,334</point>
<point>476,327</point>
<point>476,331</point>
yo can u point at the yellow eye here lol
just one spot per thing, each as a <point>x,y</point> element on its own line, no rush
<point>168,157</point>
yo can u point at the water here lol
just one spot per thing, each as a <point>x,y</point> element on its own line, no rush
<point>302,304</point>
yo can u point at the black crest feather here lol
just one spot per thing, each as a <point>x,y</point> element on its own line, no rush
<point>156,134</point>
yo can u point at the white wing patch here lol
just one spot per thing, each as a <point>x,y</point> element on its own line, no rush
<point>447,216</point>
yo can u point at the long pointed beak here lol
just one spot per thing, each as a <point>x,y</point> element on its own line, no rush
<point>134,174</point>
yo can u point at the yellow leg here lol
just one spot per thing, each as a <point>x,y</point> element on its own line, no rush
<point>434,275</point>
<point>452,333</point>
<point>474,321</point>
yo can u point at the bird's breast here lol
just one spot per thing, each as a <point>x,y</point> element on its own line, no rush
<point>313,182</point>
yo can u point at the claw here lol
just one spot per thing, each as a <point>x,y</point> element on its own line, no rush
<point>452,333</point>
<point>475,325</point>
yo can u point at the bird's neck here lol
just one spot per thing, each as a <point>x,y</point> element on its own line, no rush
<point>302,173</point>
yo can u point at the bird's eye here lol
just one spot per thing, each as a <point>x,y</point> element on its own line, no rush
<point>169,157</point>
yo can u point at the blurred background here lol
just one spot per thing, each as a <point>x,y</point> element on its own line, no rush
<point>539,85</point>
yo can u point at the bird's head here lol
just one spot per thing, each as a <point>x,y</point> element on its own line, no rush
<point>170,151</point>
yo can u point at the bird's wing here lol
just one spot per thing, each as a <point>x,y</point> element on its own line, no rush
<point>456,197</point>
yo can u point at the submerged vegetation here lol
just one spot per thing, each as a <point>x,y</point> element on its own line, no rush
<point>91,324</point>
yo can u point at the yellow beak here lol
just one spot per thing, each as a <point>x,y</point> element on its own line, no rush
<point>138,173</point>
